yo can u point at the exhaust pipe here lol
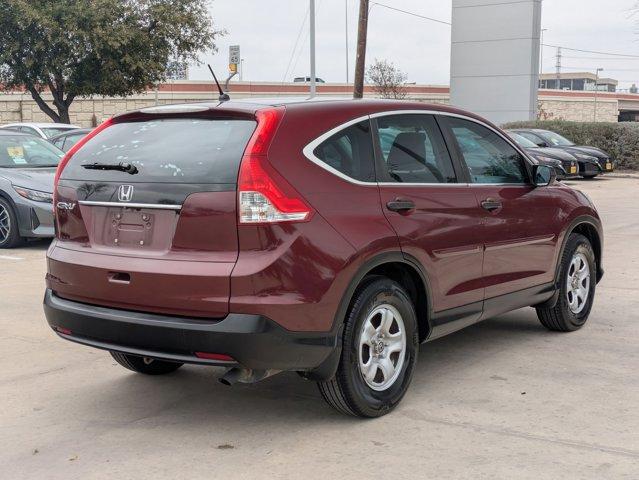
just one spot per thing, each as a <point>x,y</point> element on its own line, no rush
<point>245,375</point>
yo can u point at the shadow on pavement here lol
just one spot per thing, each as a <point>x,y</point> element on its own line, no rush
<point>192,396</point>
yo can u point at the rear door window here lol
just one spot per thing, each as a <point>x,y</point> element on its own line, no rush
<point>166,151</point>
<point>413,150</point>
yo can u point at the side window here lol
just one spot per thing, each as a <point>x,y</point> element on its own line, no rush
<point>59,143</point>
<point>489,158</point>
<point>350,152</point>
<point>532,137</point>
<point>29,130</point>
<point>413,150</point>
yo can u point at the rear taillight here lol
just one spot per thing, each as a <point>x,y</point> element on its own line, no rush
<point>264,195</point>
<point>65,160</point>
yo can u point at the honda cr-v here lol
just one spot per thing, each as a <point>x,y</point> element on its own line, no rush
<point>329,238</point>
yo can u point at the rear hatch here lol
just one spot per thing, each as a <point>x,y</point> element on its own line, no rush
<point>159,233</point>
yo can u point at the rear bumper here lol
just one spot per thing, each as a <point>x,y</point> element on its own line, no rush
<point>253,341</point>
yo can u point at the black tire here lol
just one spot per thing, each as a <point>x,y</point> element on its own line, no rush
<point>348,391</point>
<point>148,366</point>
<point>9,219</point>
<point>561,318</point>
<point>589,177</point>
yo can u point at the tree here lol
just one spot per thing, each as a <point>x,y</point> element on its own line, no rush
<point>388,80</point>
<point>97,47</point>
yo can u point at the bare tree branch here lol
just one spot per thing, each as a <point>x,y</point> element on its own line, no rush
<point>388,80</point>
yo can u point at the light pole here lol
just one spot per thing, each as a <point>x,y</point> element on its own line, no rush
<point>346,34</point>
<point>312,29</point>
<point>541,54</point>
<point>596,92</point>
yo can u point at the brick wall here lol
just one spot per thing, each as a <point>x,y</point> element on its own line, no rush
<point>578,110</point>
<point>17,107</point>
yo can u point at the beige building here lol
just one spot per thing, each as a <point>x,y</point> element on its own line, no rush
<point>553,104</point>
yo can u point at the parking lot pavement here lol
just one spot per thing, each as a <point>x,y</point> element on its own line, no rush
<point>501,399</point>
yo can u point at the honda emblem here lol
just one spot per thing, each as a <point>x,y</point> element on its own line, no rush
<point>125,193</point>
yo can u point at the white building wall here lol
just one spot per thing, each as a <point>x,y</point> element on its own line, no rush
<point>495,58</point>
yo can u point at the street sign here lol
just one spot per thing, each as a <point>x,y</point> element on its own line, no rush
<point>234,55</point>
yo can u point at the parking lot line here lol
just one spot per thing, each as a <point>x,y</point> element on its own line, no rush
<point>7,257</point>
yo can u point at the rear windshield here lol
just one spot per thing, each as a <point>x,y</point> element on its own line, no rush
<point>166,150</point>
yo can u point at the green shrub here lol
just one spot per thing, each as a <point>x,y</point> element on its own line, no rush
<point>619,140</point>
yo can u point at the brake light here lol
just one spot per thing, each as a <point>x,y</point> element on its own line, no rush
<point>65,160</point>
<point>264,195</point>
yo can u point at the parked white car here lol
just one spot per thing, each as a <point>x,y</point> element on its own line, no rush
<point>42,130</point>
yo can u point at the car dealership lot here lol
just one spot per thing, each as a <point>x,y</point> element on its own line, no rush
<point>505,398</point>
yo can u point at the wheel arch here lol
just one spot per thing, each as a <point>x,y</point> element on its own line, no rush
<point>590,228</point>
<point>399,267</point>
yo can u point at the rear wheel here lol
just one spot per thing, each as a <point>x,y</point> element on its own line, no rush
<point>146,365</point>
<point>578,278</point>
<point>9,234</point>
<point>379,351</point>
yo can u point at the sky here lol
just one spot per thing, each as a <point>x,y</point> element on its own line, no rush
<point>274,38</point>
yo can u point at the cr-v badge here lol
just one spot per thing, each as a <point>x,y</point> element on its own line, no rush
<point>125,193</point>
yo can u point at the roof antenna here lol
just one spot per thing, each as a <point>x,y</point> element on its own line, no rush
<point>224,97</point>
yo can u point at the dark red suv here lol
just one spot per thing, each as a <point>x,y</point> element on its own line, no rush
<point>329,238</point>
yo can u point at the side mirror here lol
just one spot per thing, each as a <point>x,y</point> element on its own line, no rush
<point>543,175</point>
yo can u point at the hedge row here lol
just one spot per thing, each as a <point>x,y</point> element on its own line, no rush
<point>620,140</point>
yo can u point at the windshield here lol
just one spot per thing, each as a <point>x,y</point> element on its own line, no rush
<point>26,151</point>
<point>556,139</point>
<point>521,141</point>
<point>53,131</point>
<point>166,150</point>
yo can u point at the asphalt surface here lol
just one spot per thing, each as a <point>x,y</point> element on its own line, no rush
<point>501,399</point>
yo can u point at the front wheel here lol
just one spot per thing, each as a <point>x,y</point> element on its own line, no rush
<point>578,278</point>
<point>146,365</point>
<point>379,351</point>
<point>9,234</point>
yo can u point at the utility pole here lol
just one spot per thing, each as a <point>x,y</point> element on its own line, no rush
<point>596,92</point>
<point>346,34</point>
<point>360,60</point>
<point>312,42</point>
<point>558,67</point>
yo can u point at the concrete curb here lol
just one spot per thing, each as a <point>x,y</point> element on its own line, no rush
<point>623,174</point>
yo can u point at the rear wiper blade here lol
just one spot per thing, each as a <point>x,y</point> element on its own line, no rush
<point>120,167</point>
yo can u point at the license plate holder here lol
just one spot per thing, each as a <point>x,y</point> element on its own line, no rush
<point>130,228</point>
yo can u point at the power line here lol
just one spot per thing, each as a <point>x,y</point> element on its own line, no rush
<point>591,51</point>
<point>299,34</point>
<point>603,58</point>
<point>411,13</point>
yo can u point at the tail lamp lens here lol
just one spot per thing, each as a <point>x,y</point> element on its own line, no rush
<point>263,199</point>
<point>264,195</point>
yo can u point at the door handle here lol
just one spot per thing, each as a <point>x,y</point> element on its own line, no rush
<point>491,204</point>
<point>400,205</point>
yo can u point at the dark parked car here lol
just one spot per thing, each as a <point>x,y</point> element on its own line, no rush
<point>289,236</point>
<point>564,163</point>
<point>65,141</point>
<point>592,161</point>
<point>27,168</point>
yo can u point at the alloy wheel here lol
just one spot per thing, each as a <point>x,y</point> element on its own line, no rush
<point>578,283</point>
<point>382,347</point>
<point>5,224</point>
